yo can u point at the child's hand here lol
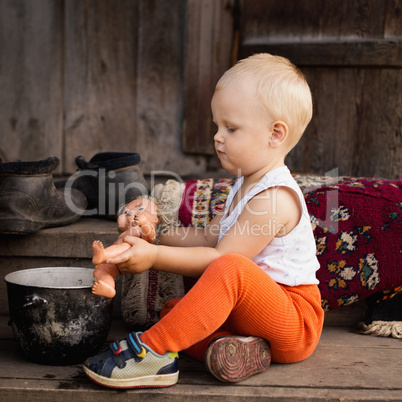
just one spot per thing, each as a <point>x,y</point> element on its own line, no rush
<point>139,258</point>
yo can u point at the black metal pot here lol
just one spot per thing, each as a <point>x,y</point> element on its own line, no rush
<point>55,317</point>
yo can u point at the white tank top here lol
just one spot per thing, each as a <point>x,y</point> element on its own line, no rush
<point>291,259</point>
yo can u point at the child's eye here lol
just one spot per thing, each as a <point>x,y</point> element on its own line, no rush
<point>230,129</point>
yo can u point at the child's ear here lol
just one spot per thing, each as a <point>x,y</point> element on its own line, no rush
<point>279,133</point>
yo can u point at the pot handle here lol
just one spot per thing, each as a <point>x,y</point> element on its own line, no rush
<point>34,301</point>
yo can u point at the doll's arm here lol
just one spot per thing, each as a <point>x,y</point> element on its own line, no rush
<point>147,226</point>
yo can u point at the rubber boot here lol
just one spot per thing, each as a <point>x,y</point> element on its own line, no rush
<point>29,200</point>
<point>109,180</point>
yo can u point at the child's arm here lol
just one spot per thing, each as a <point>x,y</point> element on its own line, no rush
<point>193,236</point>
<point>274,212</point>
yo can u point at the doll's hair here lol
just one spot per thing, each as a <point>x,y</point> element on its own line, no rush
<point>280,87</point>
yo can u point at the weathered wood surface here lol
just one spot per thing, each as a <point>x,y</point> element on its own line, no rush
<point>356,124</point>
<point>160,73</point>
<point>314,19</point>
<point>351,54</point>
<point>356,53</point>
<point>208,55</point>
<point>81,77</point>
<point>70,241</point>
<point>100,72</point>
<point>123,81</point>
<point>344,366</point>
<point>31,62</point>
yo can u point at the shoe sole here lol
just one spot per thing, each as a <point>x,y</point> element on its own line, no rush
<point>152,381</point>
<point>234,359</point>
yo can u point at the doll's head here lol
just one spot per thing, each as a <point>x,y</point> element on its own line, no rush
<point>139,212</point>
<point>278,88</point>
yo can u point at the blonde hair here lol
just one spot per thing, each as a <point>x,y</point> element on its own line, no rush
<point>279,85</point>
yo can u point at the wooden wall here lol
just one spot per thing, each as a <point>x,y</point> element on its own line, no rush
<point>31,96</point>
<point>351,54</point>
<point>85,76</point>
<point>79,77</point>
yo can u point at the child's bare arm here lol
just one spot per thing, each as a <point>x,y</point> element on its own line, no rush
<point>267,215</point>
<point>274,212</point>
<point>193,236</point>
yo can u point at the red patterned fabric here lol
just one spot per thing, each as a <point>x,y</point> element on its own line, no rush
<point>202,200</point>
<point>357,226</point>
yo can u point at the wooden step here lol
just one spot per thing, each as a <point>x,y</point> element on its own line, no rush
<point>345,366</point>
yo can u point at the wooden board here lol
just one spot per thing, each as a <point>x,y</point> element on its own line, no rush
<point>344,366</point>
<point>30,79</point>
<point>208,56</point>
<point>363,53</point>
<point>159,86</point>
<point>308,20</point>
<point>123,76</point>
<point>356,124</point>
<point>82,77</point>
<point>100,77</point>
<point>351,54</point>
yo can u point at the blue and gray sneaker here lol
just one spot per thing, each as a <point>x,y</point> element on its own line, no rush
<point>132,364</point>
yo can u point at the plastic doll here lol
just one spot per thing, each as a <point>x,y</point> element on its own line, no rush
<point>140,219</point>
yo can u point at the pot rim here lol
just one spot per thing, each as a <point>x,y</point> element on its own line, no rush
<point>16,277</point>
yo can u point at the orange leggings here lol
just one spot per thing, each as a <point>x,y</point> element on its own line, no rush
<point>235,296</point>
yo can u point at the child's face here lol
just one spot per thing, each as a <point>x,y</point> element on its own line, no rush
<point>140,206</point>
<point>243,131</point>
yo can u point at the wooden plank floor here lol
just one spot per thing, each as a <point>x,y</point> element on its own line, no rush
<point>345,366</point>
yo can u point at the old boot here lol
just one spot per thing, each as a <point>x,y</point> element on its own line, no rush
<point>109,180</point>
<point>29,200</point>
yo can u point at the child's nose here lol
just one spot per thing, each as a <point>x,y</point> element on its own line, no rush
<point>218,137</point>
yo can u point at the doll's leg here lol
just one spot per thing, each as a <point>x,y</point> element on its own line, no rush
<point>104,275</point>
<point>102,254</point>
<point>235,291</point>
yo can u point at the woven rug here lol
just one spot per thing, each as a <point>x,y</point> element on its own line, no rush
<point>358,230</point>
